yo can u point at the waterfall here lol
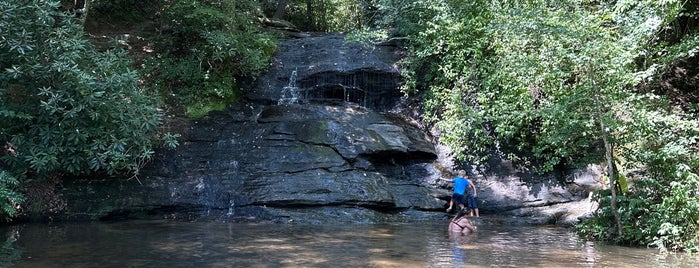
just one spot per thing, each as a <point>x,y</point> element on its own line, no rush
<point>290,93</point>
<point>231,208</point>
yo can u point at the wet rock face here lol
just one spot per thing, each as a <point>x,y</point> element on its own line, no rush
<point>284,163</point>
<point>336,154</point>
<point>332,70</point>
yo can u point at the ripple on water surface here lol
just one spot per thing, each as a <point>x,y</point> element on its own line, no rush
<point>218,244</point>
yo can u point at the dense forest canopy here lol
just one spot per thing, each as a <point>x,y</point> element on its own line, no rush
<point>546,84</point>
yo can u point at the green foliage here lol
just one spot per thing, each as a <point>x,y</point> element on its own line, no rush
<point>667,145</point>
<point>66,107</point>
<point>9,195</point>
<point>543,82</point>
<point>324,15</point>
<point>654,214</point>
<point>662,208</point>
<point>207,46</point>
<point>542,92</point>
<point>446,41</point>
<point>679,227</point>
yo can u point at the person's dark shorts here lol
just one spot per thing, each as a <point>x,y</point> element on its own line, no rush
<point>458,199</point>
<point>472,202</point>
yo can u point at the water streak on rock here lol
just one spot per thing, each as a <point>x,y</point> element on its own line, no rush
<point>290,93</point>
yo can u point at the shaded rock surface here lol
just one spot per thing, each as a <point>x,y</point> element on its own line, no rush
<point>289,163</point>
<point>336,154</point>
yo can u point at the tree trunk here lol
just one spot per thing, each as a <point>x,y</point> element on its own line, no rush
<point>611,171</point>
<point>608,154</point>
<point>279,13</point>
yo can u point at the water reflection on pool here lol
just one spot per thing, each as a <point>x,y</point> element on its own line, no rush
<point>220,244</point>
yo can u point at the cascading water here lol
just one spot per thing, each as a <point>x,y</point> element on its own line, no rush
<point>231,208</point>
<point>290,93</point>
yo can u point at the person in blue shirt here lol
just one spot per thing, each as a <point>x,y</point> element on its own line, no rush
<point>461,183</point>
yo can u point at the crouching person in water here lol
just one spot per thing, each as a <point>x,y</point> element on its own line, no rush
<point>461,224</point>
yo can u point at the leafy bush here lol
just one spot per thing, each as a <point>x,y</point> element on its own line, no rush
<point>207,46</point>
<point>66,107</point>
<point>9,195</point>
<point>654,214</point>
<point>679,227</point>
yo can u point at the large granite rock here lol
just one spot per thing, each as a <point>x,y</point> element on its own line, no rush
<point>560,197</point>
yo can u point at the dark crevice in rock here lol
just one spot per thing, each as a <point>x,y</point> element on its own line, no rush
<point>370,88</point>
<point>392,163</point>
<point>399,158</point>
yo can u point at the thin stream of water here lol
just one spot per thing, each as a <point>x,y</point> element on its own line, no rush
<point>219,244</point>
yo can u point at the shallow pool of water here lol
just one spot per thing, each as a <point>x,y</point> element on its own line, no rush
<point>220,244</point>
